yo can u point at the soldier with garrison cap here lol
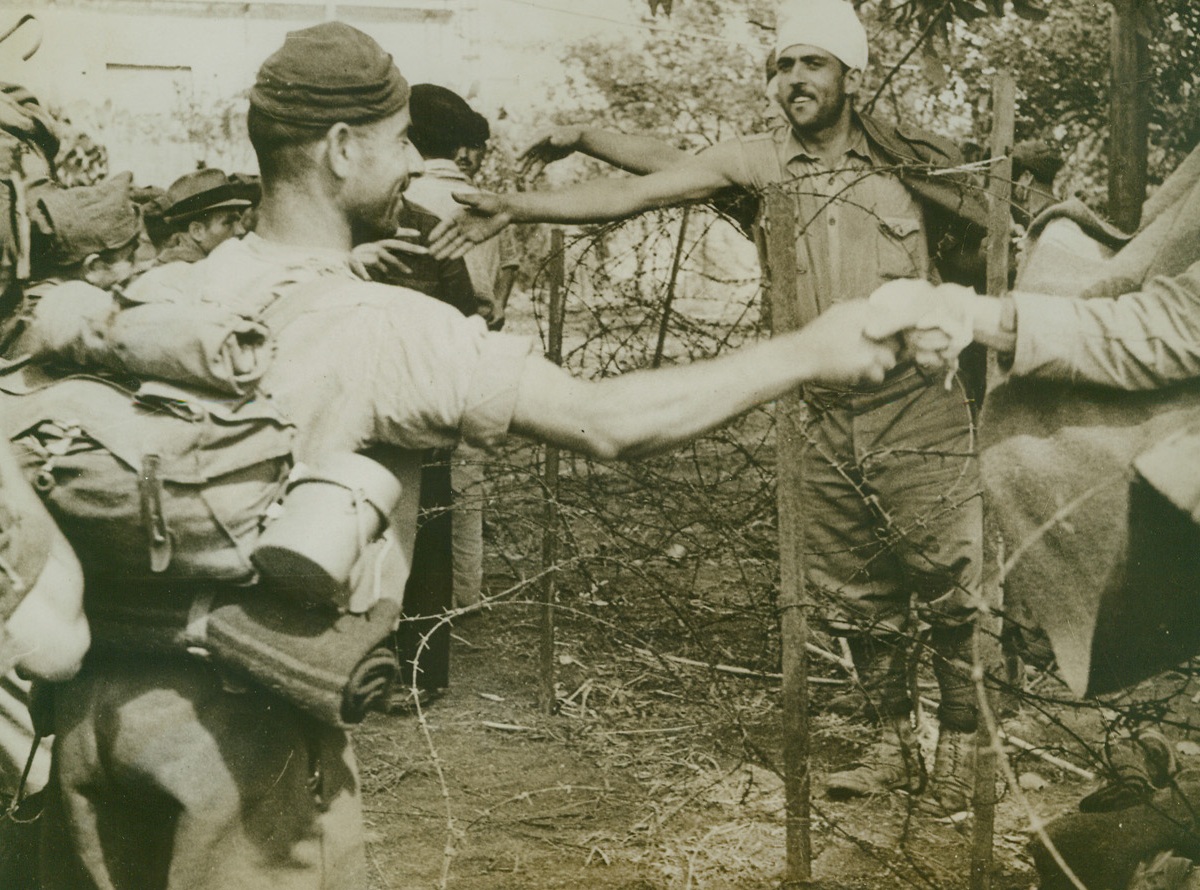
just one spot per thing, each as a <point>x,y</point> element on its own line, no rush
<point>81,238</point>
<point>167,775</point>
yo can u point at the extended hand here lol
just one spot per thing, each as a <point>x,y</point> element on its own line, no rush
<point>483,216</point>
<point>550,146</point>
<point>843,352</point>
<point>378,260</point>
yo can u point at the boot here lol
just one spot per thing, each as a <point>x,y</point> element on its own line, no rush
<point>893,764</point>
<point>953,772</point>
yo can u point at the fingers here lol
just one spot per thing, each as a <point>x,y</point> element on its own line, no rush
<point>533,168</point>
<point>399,246</point>
<point>448,241</point>
<point>898,305</point>
<point>472,200</point>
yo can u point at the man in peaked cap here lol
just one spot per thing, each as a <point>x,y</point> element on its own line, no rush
<point>893,514</point>
<point>203,209</point>
<point>169,775</point>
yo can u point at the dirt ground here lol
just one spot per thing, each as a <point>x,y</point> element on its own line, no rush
<point>651,776</point>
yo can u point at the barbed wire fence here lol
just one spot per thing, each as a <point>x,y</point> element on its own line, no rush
<point>667,584</point>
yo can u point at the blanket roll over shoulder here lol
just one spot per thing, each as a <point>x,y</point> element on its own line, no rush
<point>194,344</point>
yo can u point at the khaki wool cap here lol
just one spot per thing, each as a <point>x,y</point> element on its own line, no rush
<point>89,219</point>
<point>327,74</point>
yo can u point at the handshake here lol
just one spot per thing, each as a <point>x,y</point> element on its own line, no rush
<point>935,322</point>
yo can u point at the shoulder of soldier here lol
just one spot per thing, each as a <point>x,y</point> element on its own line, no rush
<point>909,143</point>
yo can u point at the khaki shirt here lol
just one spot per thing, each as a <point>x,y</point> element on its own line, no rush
<point>434,190</point>
<point>360,364</point>
<point>857,225</point>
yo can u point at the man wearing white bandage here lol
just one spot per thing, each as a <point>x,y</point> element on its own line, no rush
<point>892,514</point>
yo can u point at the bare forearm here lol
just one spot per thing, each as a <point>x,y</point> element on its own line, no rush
<point>636,154</point>
<point>647,412</point>
<point>992,323</point>
<point>600,200</point>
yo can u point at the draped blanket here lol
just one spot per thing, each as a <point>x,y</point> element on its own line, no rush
<point>1094,490</point>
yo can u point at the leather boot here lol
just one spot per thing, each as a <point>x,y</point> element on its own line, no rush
<point>894,763</point>
<point>953,781</point>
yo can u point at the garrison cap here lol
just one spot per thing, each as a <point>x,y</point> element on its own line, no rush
<point>204,190</point>
<point>88,219</point>
<point>327,74</point>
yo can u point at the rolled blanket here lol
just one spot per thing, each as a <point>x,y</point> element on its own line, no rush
<point>332,666</point>
<point>197,344</point>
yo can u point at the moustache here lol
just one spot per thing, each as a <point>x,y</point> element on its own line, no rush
<point>801,94</point>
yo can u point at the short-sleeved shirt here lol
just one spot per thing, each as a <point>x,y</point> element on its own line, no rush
<point>857,226</point>
<point>434,190</point>
<point>357,363</point>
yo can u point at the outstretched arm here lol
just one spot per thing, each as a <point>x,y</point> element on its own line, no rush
<point>646,412</point>
<point>634,154</point>
<point>599,200</point>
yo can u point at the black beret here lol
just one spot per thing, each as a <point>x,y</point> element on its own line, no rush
<point>327,74</point>
<point>441,120</point>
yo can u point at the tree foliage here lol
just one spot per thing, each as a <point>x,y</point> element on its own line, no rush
<point>686,89</point>
<point>932,70</point>
<point>925,13</point>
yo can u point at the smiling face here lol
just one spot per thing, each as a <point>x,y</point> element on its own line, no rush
<point>381,163</point>
<point>814,88</point>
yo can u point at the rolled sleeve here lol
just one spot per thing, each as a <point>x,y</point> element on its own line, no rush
<point>439,378</point>
<point>1142,340</point>
<point>492,396</point>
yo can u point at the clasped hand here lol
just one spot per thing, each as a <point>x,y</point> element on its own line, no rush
<point>935,320</point>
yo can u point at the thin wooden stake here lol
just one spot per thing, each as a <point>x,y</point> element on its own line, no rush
<point>556,271</point>
<point>676,261</point>
<point>793,605</point>
<point>1004,92</point>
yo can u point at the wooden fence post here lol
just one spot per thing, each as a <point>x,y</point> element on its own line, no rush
<point>793,605</point>
<point>1004,92</point>
<point>556,272</point>
<point>1129,121</point>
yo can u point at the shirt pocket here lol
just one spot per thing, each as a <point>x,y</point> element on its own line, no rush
<point>899,244</point>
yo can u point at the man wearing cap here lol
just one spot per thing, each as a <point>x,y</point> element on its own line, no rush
<point>443,127</point>
<point>203,209</point>
<point>169,774</point>
<point>891,483</point>
<point>80,238</point>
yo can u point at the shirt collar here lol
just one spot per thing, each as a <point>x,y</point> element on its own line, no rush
<point>313,258</point>
<point>794,149</point>
<point>444,168</point>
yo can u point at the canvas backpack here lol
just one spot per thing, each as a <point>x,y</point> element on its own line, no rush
<point>150,479</point>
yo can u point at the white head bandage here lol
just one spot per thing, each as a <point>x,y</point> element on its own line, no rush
<point>831,25</point>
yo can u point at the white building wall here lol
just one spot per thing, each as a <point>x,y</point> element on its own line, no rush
<point>162,83</point>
